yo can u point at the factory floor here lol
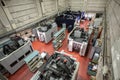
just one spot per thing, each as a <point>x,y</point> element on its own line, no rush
<point>25,74</point>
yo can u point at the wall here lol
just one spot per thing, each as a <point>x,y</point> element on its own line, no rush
<point>4,23</point>
<point>113,24</point>
<point>23,13</point>
<point>62,4</point>
<point>49,7</point>
<point>87,5</point>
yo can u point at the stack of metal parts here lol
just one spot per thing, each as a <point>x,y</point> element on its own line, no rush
<point>58,67</point>
<point>33,61</point>
<point>58,38</point>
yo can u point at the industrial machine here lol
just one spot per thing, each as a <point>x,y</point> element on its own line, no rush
<point>69,18</point>
<point>58,67</point>
<point>78,40</point>
<point>12,53</point>
<point>9,45</point>
<point>46,31</point>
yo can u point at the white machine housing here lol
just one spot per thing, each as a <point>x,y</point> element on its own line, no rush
<point>82,45</point>
<point>47,36</point>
